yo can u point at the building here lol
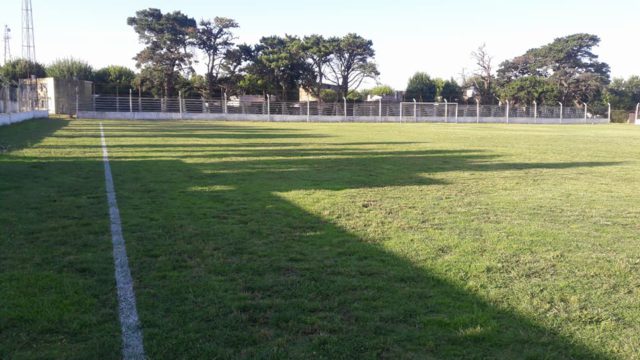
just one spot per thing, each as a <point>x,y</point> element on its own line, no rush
<point>397,96</point>
<point>61,95</point>
<point>304,95</point>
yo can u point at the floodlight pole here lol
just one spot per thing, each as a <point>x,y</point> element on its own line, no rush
<point>560,112</point>
<point>415,110</point>
<point>446,111</point>
<point>535,112</point>
<point>477,111</point>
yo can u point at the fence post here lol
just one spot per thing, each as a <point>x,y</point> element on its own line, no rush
<point>477,111</point>
<point>224,105</point>
<point>446,111</point>
<point>77,102</point>
<point>130,100</point>
<point>93,102</point>
<point>344,99</point>
<point>508,108</point>
<point>535,112</point>
<point>456,113</point>
<point>268,107</point>
<point>415,110</point>
<point>380,110</point>
<point>204,104</point>
<point>139,99</point>
<point>637,111</point>
<point>609,113</point>
<point>180,103</point>
<point>401,111</point>
<point>585,113</point>
<point>560,112</point>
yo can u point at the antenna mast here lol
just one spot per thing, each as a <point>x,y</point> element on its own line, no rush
<point>7,44</point>
<point>28,38</point>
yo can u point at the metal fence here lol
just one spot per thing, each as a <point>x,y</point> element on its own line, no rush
<point>346,111</point>
<point>23,98</point>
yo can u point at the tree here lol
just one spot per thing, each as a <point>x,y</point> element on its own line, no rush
<point>483,77</point>
<point>318,52</point>
<point>624,94</point>
<point>450,91</point>
<point>234,68</point>
<point>113,79</point>
<point>351,63</point>
<point>526,90</point>
<point>150,81</point>
<point>382,90</point>
<point>280,64</point>
<point>215,39</point>
<point>70,69</point>
<point>421,87</point>
<point>568,64</point>
<point>167,38</point>
<point>328,95</point>
<point>13,71</point>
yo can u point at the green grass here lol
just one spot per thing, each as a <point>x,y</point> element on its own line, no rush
<point>329,241</point>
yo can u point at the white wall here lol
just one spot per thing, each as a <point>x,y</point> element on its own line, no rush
<point>6,119</point>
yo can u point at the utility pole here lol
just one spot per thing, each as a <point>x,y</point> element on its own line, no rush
<point>7,44</point>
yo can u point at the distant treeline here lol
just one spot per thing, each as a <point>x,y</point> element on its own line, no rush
<point>330,68</point>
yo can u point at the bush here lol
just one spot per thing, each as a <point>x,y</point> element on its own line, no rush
<point>620,116</point>
<point>328,95</point>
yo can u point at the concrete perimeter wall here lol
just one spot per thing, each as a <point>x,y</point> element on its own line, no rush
<point>316,118</point>
<point>6,119</point>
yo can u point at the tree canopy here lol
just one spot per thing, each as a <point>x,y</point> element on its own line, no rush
<point>167,39</point>
<point>215,39</point>
<point>114,79</point>
<point>351,63</point>
<point>421,87</point>
<point>18,69</point>
<point>70,69</point>
<point>565,70</point>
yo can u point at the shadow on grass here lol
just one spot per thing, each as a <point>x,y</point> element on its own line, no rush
<point>26,134</point>
<point>226,267</point>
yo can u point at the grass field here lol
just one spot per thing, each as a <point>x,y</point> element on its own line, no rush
<point>329,241</point>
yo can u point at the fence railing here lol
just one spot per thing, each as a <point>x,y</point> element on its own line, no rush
<point>348,111</point>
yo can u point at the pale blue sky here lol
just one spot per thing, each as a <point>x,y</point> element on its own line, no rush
<point>408,35</point>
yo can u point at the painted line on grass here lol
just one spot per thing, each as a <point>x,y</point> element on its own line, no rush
<point>132,345</point>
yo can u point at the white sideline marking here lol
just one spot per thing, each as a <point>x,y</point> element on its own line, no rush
<point>132,347</point>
